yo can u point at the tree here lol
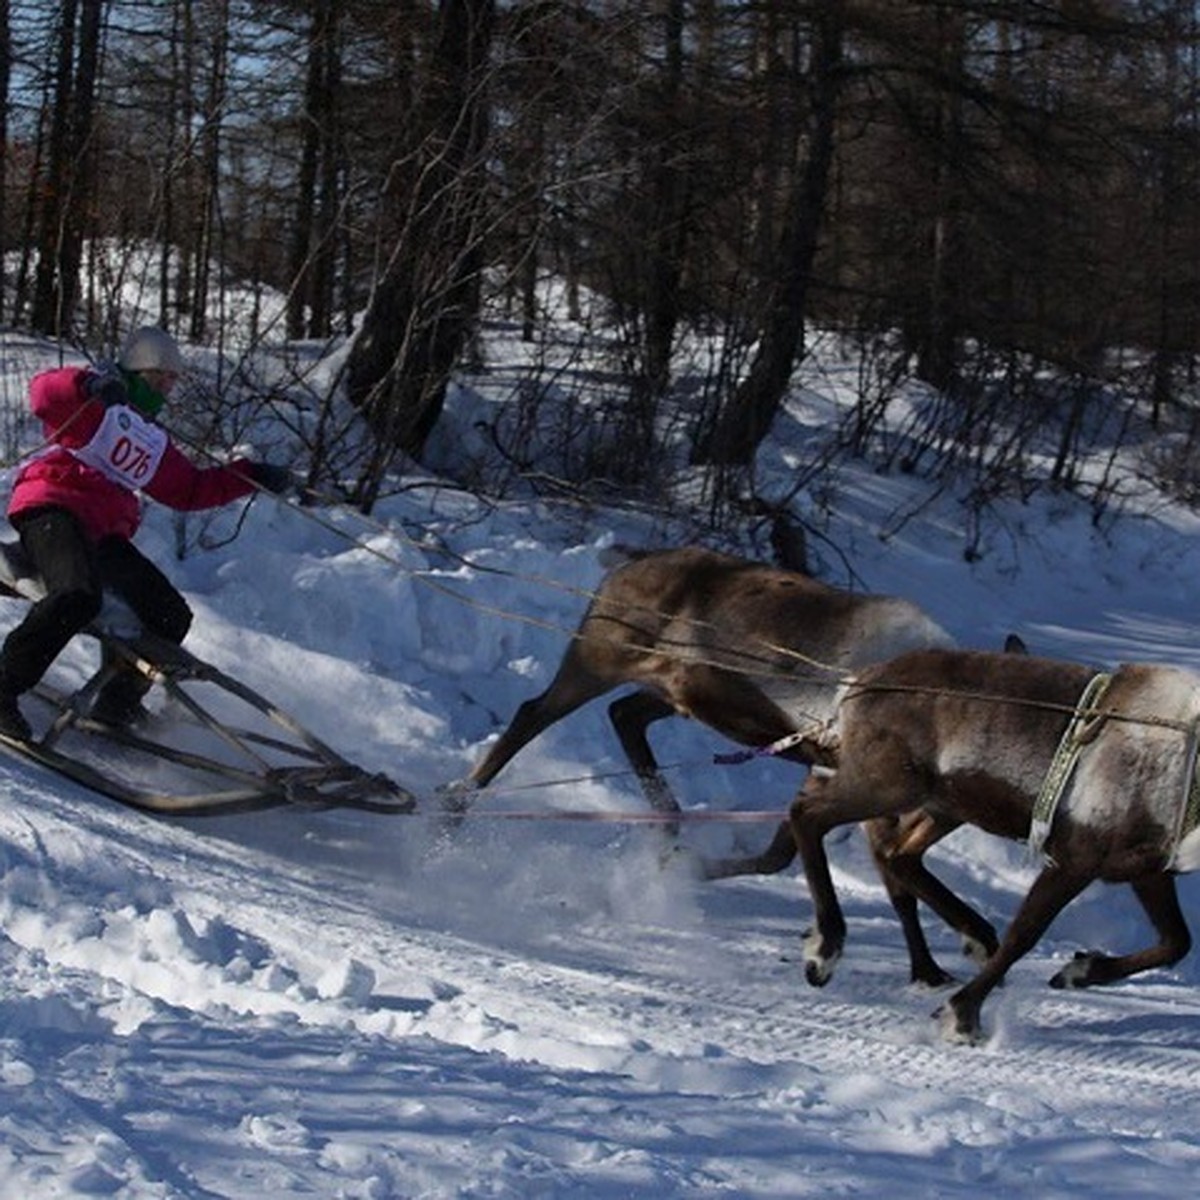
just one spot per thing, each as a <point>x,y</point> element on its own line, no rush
<point>61,221</point>
<point>5,75</point>
<point>972,188</point>
<point>310,299</point>
<point>426,299</point>
<point>746,417</point>
<point>667,232</point>
<point>194,290</point>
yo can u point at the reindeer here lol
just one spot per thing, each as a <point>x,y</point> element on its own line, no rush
<point>756,653</point>
<point>969,737</point>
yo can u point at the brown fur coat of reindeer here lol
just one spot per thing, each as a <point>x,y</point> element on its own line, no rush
<point>968,737</point>
<point>756,653</point>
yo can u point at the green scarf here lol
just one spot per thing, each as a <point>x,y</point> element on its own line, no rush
<point>142,396</point>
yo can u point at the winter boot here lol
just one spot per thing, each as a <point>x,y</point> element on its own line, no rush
<point>12,720</point>
<point>119,702</point>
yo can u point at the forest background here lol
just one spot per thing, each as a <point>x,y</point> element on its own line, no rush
<point>997,198</point>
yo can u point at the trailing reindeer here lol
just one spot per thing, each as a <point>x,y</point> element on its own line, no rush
<point>757,654</point>
<point>969,737</point>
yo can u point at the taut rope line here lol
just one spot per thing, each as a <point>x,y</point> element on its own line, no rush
<point>622,817</point>
<point>824,672</point>
<point>1108,714</point>
<point>832,675</point>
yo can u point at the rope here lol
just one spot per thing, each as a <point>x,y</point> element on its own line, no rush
<point>756,664</point>
<point>1110,714</point>
<point>762,666</point>
<point>827,673</point>
<point>515,789</point>
<point>686,816</point>
<point>428,580</point>
<point>1189,807</point>
<point>735,758</point>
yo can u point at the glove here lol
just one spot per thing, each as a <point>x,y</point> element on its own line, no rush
<point>270,477</point>
<point>104,382</point>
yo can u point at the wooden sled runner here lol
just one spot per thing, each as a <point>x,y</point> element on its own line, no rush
<point>223,747</point>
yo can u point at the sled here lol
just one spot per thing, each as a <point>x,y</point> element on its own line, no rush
<point>216,747</point>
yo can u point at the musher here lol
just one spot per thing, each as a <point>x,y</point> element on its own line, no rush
<point>76,509</point>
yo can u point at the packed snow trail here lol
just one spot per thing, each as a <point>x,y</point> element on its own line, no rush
<point>259,1004</point>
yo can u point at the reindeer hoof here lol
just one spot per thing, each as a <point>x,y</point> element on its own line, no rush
<point>932,977</point>
<point>681,861</point>
<point>958,1028</point>
<point>1078,973</point>
<point>455,798</point>
<point>978,952</point>
<point>817,974</point>
<point>818,965</point>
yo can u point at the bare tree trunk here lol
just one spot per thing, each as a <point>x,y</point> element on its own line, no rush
<point>209,181</point>
<point>936,359</point>
<point>668,241</point>
<point>79,152</point>
<point>46,310</point>
<point>53,293</point>
<point>329,189</point>
<point>425,305</point>
<point>1168,199</point>
<point>5,74</point>
<point>174,259</point>
<point>747,416</point>
<point>315,121</point>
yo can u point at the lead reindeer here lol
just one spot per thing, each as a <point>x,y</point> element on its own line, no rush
<point>970,737</point>
<point>756,653</point>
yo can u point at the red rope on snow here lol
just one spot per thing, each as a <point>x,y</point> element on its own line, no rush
<point>632,818</point>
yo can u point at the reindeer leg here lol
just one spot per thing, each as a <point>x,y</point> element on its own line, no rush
<point>923,967</point>
<point>778,856</point>
<point>571,688</point>
<point>866,788</point>
<point>1053,889</point>
<point>1161,901</point>
<point>573,685</point>
<point>898,846</point>
<point>631,716</point>
<point>823,943</point>
<point>737,708</point>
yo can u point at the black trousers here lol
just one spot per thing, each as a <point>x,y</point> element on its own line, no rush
<point>76,570</point>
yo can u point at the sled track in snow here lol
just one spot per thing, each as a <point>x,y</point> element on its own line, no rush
<point>1128,1049</point>
<point>707,1005</point>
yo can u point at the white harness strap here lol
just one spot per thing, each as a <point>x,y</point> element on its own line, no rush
<point>819,733</point>
<point>1189,802</point>
<point>1062,765</point>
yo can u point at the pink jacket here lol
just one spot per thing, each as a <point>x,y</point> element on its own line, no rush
<point>105,507</point>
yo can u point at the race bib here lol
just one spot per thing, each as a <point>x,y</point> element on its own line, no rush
<point>125,448</point>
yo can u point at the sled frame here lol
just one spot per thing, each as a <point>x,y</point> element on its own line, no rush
<point>287,765</point>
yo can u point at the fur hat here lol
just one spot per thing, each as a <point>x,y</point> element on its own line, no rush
<point>151,349</point>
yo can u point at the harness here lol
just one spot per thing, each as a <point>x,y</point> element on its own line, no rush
<point>1189,810</point>
<point>1079,731</point>
<point>1083,727</point>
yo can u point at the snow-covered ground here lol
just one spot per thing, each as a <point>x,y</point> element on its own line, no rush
<point>348,1005</point>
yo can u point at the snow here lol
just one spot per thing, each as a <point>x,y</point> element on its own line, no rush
<point>350,1005</point>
